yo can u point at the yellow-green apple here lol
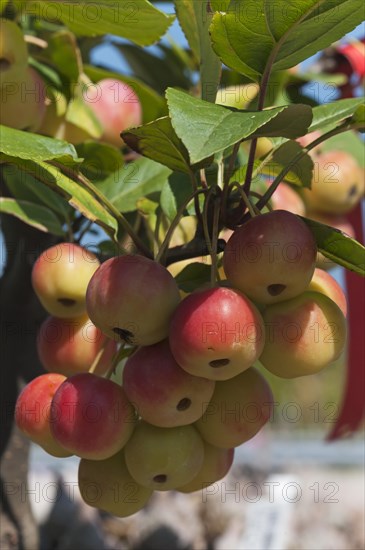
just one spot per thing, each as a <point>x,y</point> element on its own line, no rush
<point>33,412</point>
<point>263,147</point>
<point>117,107</point>
<point>91,416</point>
<point>131,299</point>
<point>216,333</point>
<point>108,485</point>
<point>161,391</point>
<point>60,277</point>
<point>23,101</point>
<point>164,458</point>
<point>13,51</point>
<point>239,408</point>
<point>217,463</point>
<point>337,222</point>
<point>271,257</point>
<point>326,284</point>
<point>303,335</point>
<point>237,95</point>
<point>70,346</point>
<point>56,126</point>
<point>337,184</point>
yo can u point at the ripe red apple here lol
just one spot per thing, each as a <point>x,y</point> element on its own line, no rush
<point>33,412</point>
<point>337,185</point>
<point>164,458</point>
<point>70,346</point>
<point>131,299</point>
<point>271,257</point>
<point>92,417</point>
<point>239,408</point>
<point>326,284</point>
<point>117,107</point>
<point>108,485</point>
<point>303,335</point>
<point>307,139</point>
<point>285,198</point>
<point>217,463</point>
<point>161,391</point>
<point>60,277</point>
<point>216,333</point>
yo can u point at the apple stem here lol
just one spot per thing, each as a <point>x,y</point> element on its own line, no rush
<point>253,210</point>
<point>116,359</point>
<point>231,164</point>
<point>214,274</point>
<point>93,368</point>
<point>259,196</point>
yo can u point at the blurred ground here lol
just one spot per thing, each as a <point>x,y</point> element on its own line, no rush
<point>283,493</point>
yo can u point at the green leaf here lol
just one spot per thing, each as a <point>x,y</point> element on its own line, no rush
<point>153,105</point>
<point>187,18</point>
<point>206,129</point>
<point>158,71</point>
<point>301,173</point>
<point>254,35</point>
<point>76,194</point>
<point>195,20</point>
<point>338,247</point>
<point>133,182</point>
<point>193,276</point>
<point>359,116</point>
<point>158,141</point>
<point>25,145</point>
<point>291,123</point>
<point>220,5</point>
<point>65,55</point>
<point>100,159</point>
<point>25,187</point>
<point>174,193</point>
<point>32,214</point>
<point>332,113</point>
<point>137,21</point>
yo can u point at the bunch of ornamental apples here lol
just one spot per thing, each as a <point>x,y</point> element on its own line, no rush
<point>190,392</point>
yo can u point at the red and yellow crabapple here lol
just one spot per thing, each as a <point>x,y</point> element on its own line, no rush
<point>164,458</point>
<point>216,333</point>
<point>91,416</point>
<point>60,277</point>
<point>271,257</point>
<point>238,410</point>
<point>108,485</point>
<point>33,412</point>
<point>162,392</point>
<point>131,299</point>
<point>70,346</point>
<point>303,335</point>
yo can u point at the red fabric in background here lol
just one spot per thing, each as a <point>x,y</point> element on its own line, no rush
<point>353,406</point>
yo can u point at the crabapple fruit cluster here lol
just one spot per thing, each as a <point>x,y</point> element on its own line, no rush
<point>191,388</point>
